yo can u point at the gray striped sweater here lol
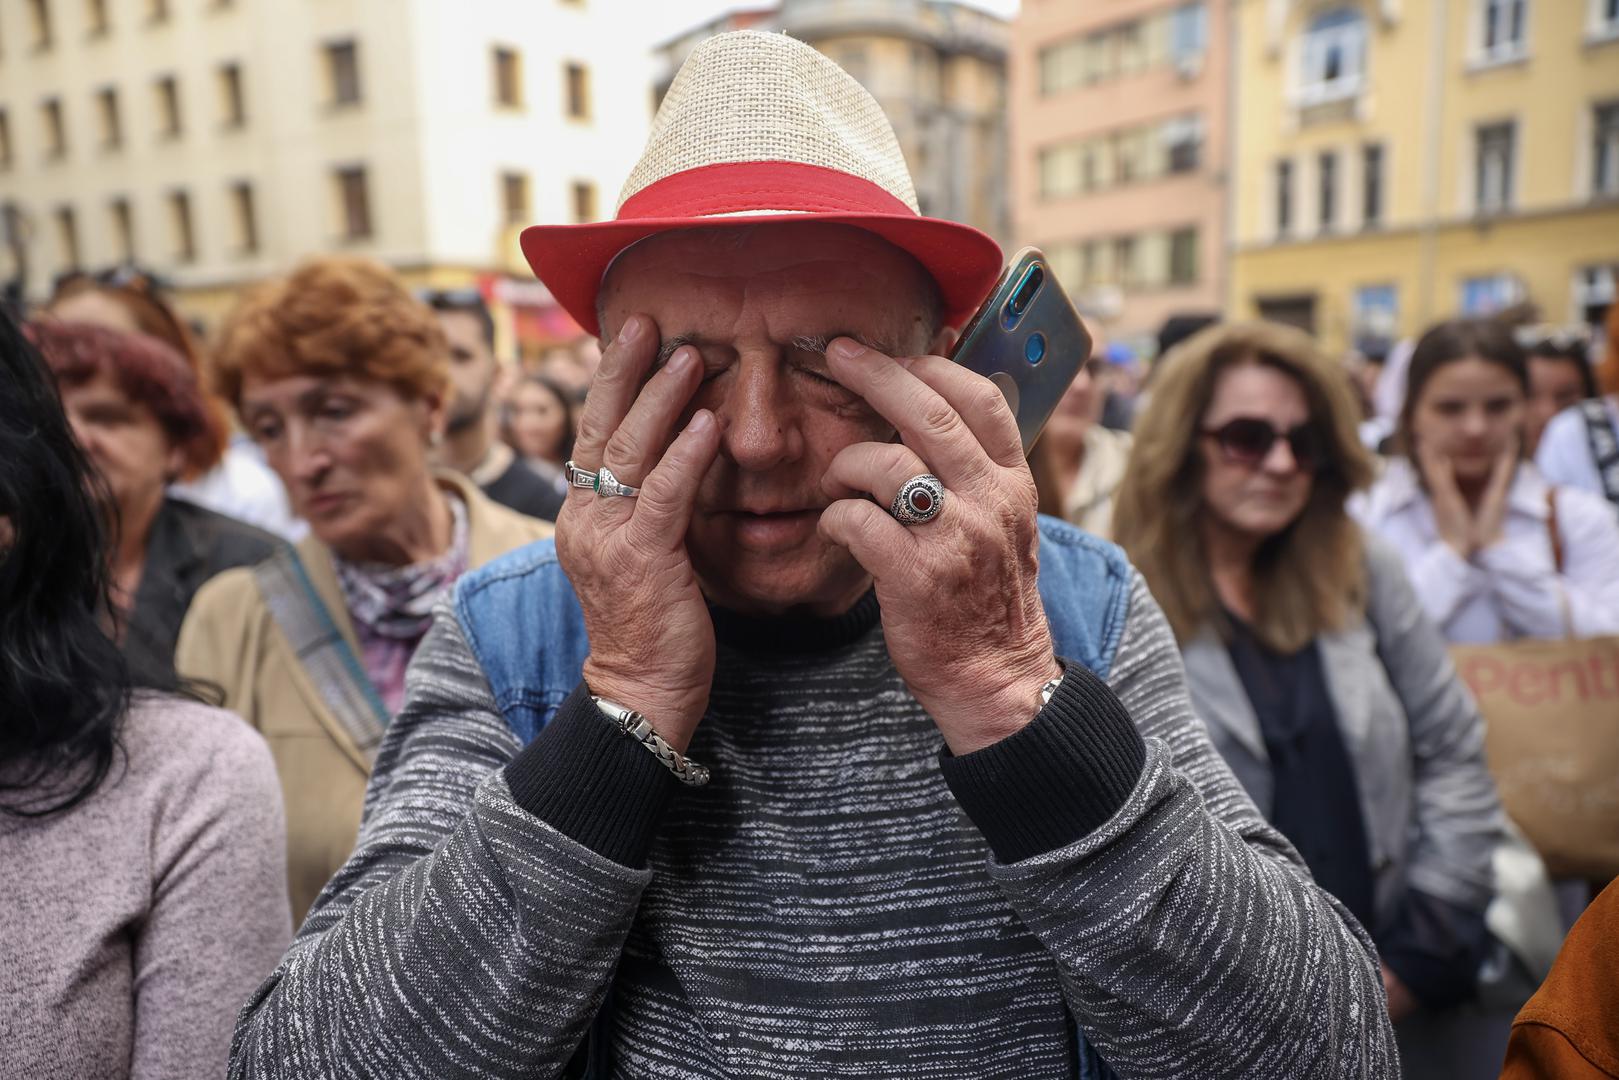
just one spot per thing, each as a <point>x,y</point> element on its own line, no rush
<point>826,907</point>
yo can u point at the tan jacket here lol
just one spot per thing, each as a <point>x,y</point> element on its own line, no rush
<point>230,638</point>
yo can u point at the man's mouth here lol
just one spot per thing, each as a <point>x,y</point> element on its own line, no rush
<point>768,529</point>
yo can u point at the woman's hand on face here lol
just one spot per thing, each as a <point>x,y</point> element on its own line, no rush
<point>1489,526</point>
<point>961,608</point>
<point>1451,515</point>
<point>651,637</point>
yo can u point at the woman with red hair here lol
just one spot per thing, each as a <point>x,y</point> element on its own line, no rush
<point>138,411</point>
<point>1581,445</point>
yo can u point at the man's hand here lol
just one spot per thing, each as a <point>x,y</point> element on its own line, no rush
<point>651,638</point>
<point>961,608</point>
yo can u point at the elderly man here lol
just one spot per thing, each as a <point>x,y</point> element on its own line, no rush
<point>908,839</point>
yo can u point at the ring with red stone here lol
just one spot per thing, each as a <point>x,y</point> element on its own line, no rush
<point>919,500</point>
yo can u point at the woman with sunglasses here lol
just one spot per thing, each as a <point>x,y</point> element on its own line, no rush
<point>1307,654</point>
<point>1495,552</point>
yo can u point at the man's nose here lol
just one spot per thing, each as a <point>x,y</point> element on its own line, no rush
<point>758,426</point>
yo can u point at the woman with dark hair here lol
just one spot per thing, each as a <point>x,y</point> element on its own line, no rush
<point>229,476</point>
<point>140,416</point>
<point>140,834</point>
<point>1580,447</point>
<point>1307,655</point>
<point>540,425</point>
<point>1560,375</point>
<point>1495,552</point>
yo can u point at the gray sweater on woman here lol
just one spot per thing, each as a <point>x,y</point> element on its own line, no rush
<point>833,904</point>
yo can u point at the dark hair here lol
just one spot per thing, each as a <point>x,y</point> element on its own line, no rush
<point>64,686</point>
<point>1565,348</point>
<point>467,302</point>
<point>1177,328</point>
<point>1446,343</point>
<point>565,451</point>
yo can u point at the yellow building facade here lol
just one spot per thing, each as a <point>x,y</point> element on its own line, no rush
<point>1400,162</point>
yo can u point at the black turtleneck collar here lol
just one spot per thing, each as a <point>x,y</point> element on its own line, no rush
<point>795,632</point>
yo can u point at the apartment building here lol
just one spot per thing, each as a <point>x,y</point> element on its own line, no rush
<point>937,68</point>
<point>1118,154</point>
<point>218,141</point>
<point>1398,163</point>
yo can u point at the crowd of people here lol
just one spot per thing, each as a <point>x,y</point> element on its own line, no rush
<point>374,706</point>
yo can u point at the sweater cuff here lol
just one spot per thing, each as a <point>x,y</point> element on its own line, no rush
<point>591,783</point>
<point>1058,779</point>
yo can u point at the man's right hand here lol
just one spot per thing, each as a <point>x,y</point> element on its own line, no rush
<point>651,637</point>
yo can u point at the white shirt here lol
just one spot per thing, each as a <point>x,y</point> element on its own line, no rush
<point>1511,589</point>
<point>1564,456</point>
<point>242,486</point>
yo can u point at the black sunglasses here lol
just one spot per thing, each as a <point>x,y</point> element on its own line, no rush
<point>1247,441</point>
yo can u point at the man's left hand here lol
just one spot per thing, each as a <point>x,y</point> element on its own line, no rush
<point>960,602</point>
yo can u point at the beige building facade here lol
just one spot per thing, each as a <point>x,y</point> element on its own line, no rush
<point>1400,163</point>
<point>219,141</point>
<point>1118,154</point>
<point>938,69</point>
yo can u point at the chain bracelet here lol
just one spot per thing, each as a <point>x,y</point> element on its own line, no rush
<point>639,728</point>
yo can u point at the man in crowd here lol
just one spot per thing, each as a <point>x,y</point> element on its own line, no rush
<point>769,766</point>
<point>470,446</point>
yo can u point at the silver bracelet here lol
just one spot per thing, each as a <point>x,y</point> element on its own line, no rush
<point>637,727</point>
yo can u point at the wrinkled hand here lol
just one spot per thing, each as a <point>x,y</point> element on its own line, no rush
<point>960,604</point>
<point>651,637</point>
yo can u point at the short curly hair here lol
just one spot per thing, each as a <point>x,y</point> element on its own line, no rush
<point>333,316</point>
<point>146,369</point>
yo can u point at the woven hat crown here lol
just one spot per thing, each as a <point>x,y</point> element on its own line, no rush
<point>748,96</point>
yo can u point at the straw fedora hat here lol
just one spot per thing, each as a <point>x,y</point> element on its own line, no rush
<point>760,127</point>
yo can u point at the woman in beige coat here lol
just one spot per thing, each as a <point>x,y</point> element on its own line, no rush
<point>341,378</point>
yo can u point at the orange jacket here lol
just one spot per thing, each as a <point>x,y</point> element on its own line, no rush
<point>1570,1029</point>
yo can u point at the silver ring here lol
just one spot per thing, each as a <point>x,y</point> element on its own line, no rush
<point>919,500</point>
<point>579,478</point>
<point>608,485</point>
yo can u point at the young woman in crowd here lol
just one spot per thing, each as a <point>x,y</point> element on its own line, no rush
<point>1560,376</point>
<point>232,479</point>
<point>141,418</point>
<point>341,377</point>
<point>140,833</point>
<point>1495,552</point>
<point>1323,685</point>
<point>1077,463</point>
<point>1580,447</point>
<point>540,425</point>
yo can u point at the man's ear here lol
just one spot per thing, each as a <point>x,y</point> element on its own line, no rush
<point>943,342</point>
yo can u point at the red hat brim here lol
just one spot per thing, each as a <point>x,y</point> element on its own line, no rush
<point>572,259</point>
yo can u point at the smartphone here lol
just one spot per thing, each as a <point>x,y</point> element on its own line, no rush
<point>1027,339</point>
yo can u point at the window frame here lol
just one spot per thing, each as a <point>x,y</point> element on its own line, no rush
<point>1316,86</point>
<point>349,92</point>
<point>1506,202</point>
<point>357,221</point>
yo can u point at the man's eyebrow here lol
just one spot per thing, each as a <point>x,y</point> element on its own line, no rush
<point>667,349</point>
<point>817,343</point>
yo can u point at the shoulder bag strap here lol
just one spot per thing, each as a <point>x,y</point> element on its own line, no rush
<point>321,648</point>
<point>1604,439</point>
<point>1556,537</point>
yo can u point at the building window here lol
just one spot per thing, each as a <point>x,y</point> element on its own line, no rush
<point>1371,179</point>
<point>1488,294</point>
<point>508,71</point>
<point>95,15</point>
<point>247,221</point>
<point>1060,173</point>
<point>1183,257</point>
<point>354,202</point>
<point>232,101</point>
<point>1374,317</point>
<point>1594,289</point>
<point>584,201</point>
<point>343,72</point>
<point>1284,197</point>
<point>5,139</point>
<point>123,228</point>
<point>50,115</point>
<point>1327,196</point>
<point>1188,35</point>
<point>1603,21</point>
<point>1131,44</point>
<point>1502,30</point>
<point>514,198</point>
<point>1124,261</point>
<point>39,18</point>
<point>185,237</point>
<point>576,87</point>
<point>168,106</point>
<point>1090,260</point>
<point>67,237</point>
<point>157,11</point>
<point>112,123</point>
<point>1183,140</point>
<point>1333,60</point>
<point>1495,151</point>
<point>1605,149</point>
